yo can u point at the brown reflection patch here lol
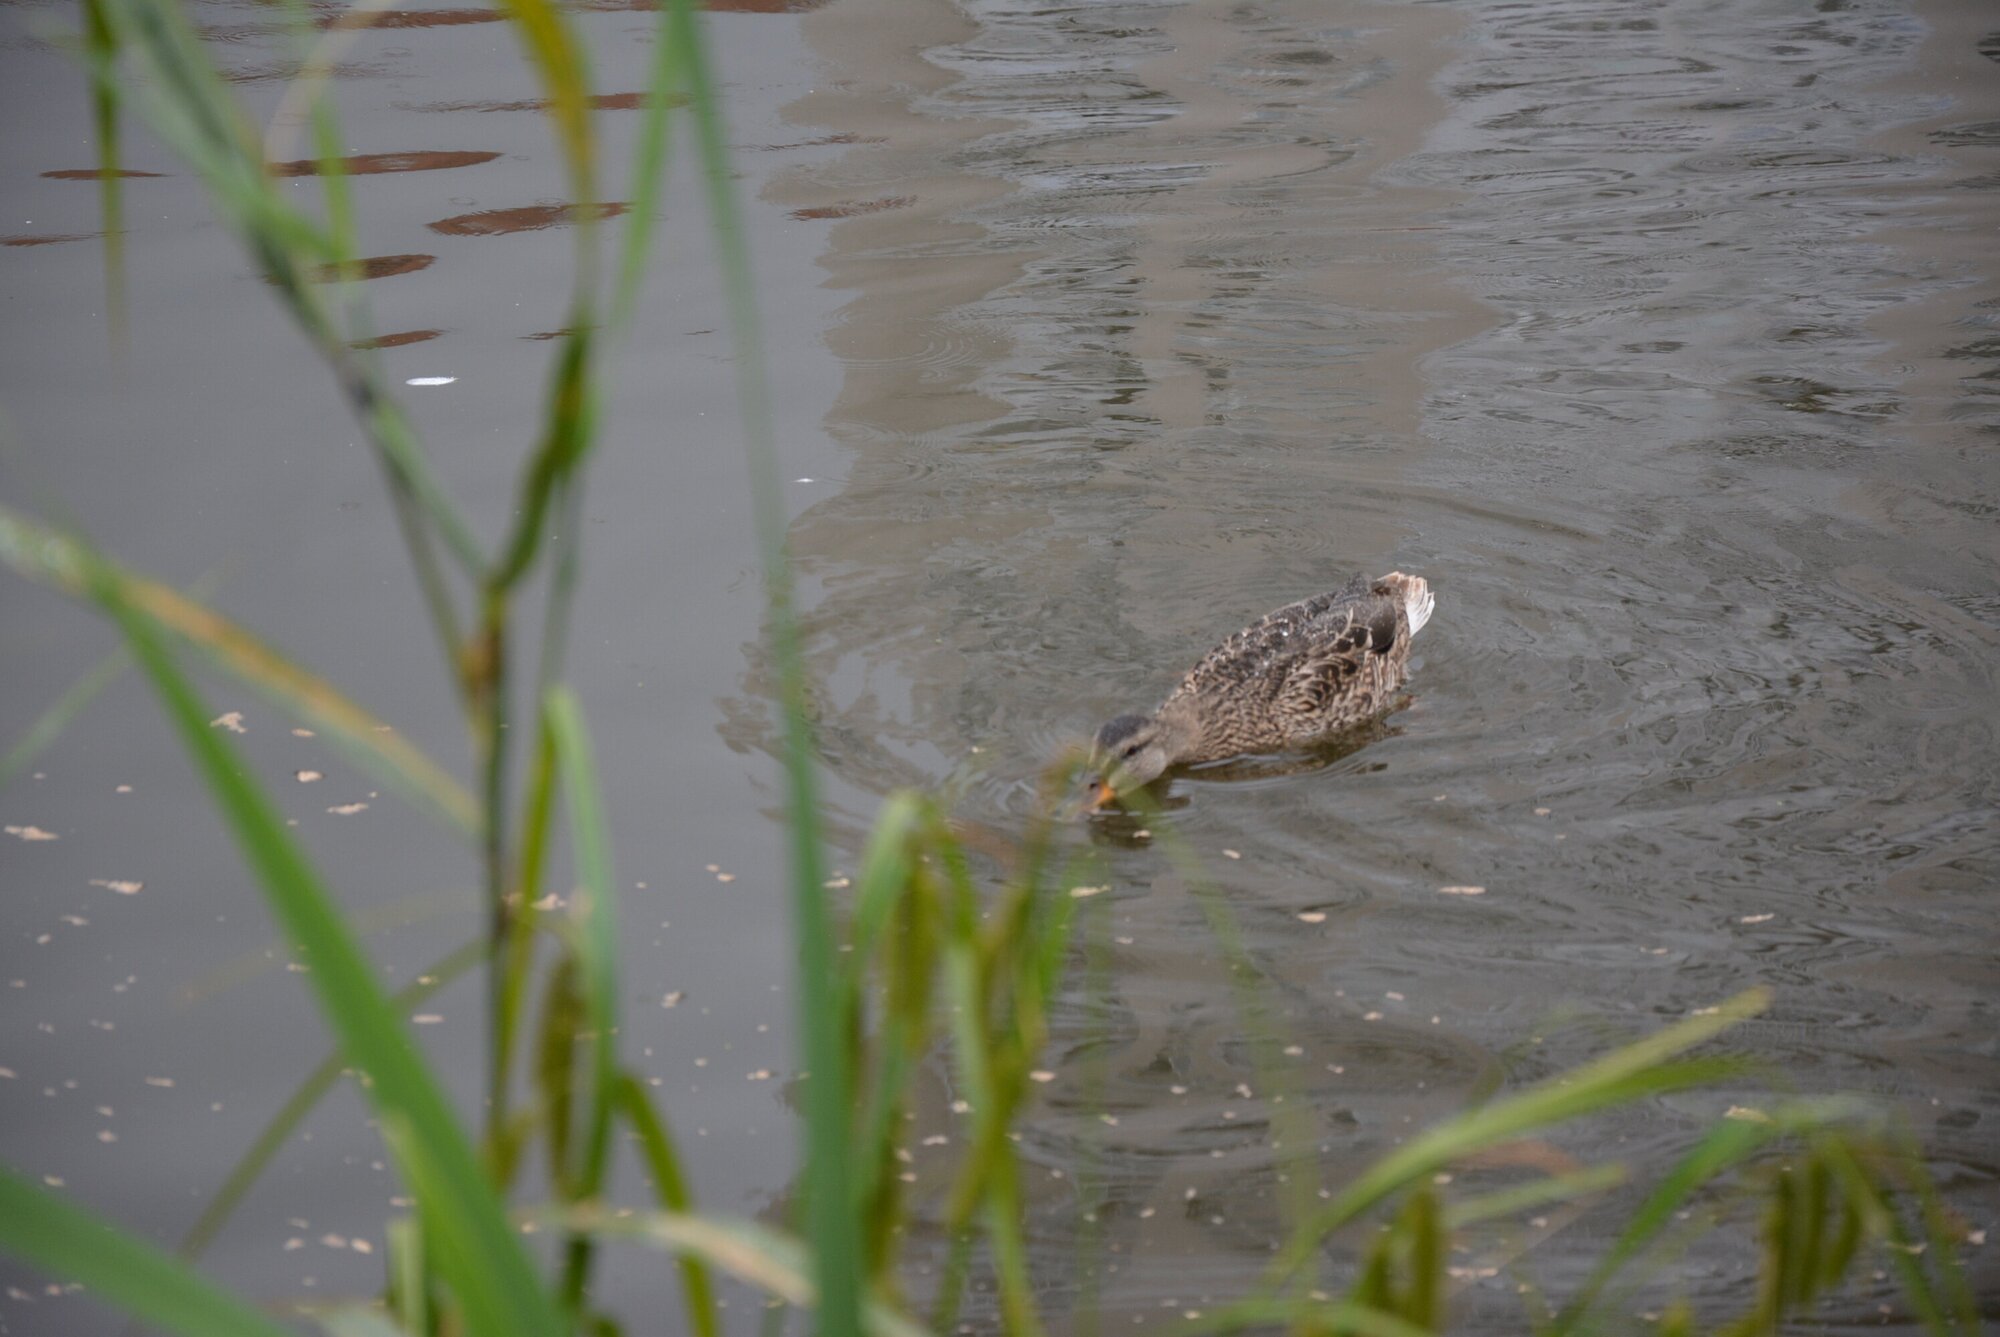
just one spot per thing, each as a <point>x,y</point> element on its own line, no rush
<point>395,340</point>
<point>369,164</point>
<point>851,210</point>
<point>48,238</point>
<point>599,102</point>
<point>714,6</point>
<point>844,137</point>
<point>528,218</point>
<point>94,173</point>
<point>412,18</point>
<point>374,267</point>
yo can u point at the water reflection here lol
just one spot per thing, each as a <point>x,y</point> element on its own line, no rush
<point>1658,343</point>
<point>525,218</point>
<point>371,164</point>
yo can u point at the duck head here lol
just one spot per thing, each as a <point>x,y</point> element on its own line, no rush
<point>1132,751</point>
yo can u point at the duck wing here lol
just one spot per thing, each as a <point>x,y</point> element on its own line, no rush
<point>1347,669</point>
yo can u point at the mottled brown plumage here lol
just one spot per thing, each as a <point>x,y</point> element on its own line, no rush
<point>1293,676</point>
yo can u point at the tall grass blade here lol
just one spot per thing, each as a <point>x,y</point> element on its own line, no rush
<point>1727,1145</point>
<point>595,916</point>
<point>649,169</point>
<point>831,1215</point>
<point>48,726</point>
<point>477,1250</point>
<point>774,1263</point>
<point>64,562</point>
<point>1643,1068</point>
<point>670,1186</point>
<point>273,1136</point>
<point>74,1245</point>
<point>100,46</point>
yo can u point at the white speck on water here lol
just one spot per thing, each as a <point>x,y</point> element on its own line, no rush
<point>430,380</point>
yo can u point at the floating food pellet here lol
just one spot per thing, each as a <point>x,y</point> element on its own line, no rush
<point>1232,854</point>
<point>1078,893</point>
<point>31,833</point>
<point>673,999</point>
<point>307,777</point>
<point>725,877</point>
<point>1041,1075</point>
<point>1756,919</point>
<point>427,1019</point>
<point>304,733</point>
<point>1542,812</point>
<point>1461,891</point>
<point>1312,916</point>
<point>430,380</point>
<point>1371,1016</point>
<point>347,809</point>
<point>122,888</point>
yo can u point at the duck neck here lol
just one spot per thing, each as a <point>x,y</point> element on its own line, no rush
<point>1180,729</point>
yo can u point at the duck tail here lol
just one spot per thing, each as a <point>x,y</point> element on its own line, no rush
<point>1416,595</point>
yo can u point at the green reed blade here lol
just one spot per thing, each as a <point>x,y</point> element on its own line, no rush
<point>670,1186</point>
<point>649,169</point>
<point>1317,1316</point>
<point>756,1255</point>
<point>100,48</point>
<point>188,105</point>
<point>508,982</point>
<point>355,1320</point>
<point>1630,1073</point>
<point>409,1295</point>
<point>1728,1144</point>
<point>56,559</point>
<point>829,1111</point>
<point>594,912</point>
<point>278,1130</point>
<point>567,434</point>
<point>476,1248</point>
<point>558,59</point>
<point>48,726</point>
<point>1535,1193</point>
<point>150,1284</point>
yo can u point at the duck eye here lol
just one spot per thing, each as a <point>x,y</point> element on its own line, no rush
<point>1130,752</point>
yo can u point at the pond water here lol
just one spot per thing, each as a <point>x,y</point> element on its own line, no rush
<point>1662,337</point>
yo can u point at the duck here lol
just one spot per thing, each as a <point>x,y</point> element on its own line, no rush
<point>1292,677</point>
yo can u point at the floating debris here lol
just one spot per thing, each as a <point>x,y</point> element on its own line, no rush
<point>1232,854</point>
<point>1312,916</point>
<point>1756,919</point>
<point>1078,893</point>
<point>122,888</point>
<point>431,380</point>
<point>347,809</point>
<point>307,777</point>
<point>426,1019</point>
<point>304,733</point>
<point>1461,891</point>
<point>32,833</point>
<point>673,999</point>
<point>1041,1075</point>
<point>1543,812</point>
<point>232,721</point>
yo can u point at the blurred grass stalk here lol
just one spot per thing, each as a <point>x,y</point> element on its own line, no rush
<point>924,961</point>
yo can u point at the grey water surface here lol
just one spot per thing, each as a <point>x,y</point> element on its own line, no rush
<point>1662,336</point>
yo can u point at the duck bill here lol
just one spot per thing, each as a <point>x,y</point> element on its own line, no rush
<point>1101,795</point>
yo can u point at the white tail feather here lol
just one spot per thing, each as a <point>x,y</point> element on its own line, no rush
<point>1417,598</point>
